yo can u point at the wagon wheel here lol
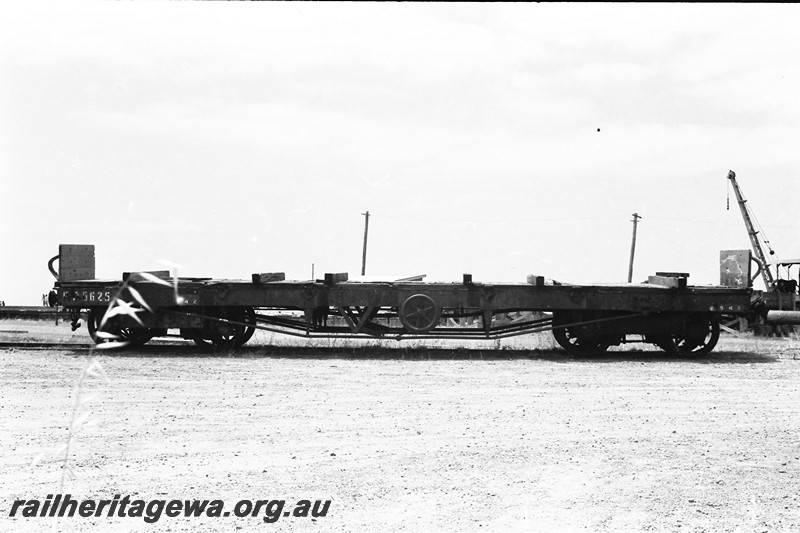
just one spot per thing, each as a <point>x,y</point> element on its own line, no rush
<point>700,338</point>
<point>226,334</point>
<point>419,313</point>
<point>249,318</point>
<point>580,345</point>
<point>131,336</point>
<point>202,341</point>
<point>578,340</point>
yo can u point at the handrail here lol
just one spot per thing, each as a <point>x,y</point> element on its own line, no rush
<point>50,266</point>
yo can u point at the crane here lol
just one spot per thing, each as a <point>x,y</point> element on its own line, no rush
<point>766,273</point>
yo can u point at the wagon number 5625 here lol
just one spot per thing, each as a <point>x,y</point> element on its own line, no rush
<point>96,296</point>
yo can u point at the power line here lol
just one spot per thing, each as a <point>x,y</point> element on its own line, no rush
<point>570,219</point>
<point>718,223</point>
<point>439,219</point>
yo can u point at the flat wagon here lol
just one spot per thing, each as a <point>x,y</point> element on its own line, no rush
<point>584,319</point>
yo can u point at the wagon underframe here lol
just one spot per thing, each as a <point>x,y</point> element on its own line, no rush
<point>585,319</point>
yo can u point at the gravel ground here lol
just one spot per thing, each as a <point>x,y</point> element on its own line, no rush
<point>419,441</point>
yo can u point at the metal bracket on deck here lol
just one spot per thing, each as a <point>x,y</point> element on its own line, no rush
<point>339,277</point>
<point>268,277</point>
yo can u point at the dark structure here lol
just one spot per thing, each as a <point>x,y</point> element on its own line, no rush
<point>584,319</point>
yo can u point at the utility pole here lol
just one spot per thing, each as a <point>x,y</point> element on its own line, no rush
<point>635,221</point>
<point>364,254</point>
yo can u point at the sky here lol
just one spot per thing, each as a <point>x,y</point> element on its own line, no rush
<point>501,140</point>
